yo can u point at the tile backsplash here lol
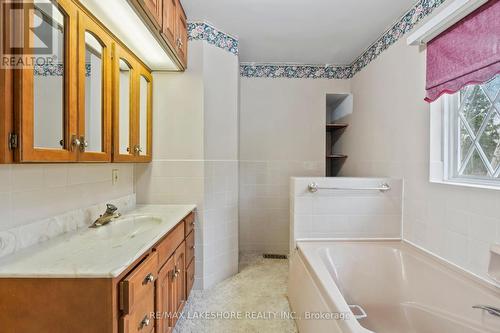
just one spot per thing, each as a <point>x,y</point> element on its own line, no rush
<point>21,237</point>
<point>32,193</point>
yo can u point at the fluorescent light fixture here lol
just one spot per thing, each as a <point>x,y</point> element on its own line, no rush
<point>451,14</point>
<point>121,19</point>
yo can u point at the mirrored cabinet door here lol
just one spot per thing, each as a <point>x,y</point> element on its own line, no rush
<point>46,90</point>
<point>124,106</point>
<point>94,71</point>
<point>144,119</point>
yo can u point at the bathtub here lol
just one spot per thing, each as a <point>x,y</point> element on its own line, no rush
<point>384,287</point>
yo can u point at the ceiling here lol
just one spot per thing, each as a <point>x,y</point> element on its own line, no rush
<point>300,31</point>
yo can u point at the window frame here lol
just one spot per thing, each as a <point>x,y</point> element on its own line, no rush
<point>444,147</point>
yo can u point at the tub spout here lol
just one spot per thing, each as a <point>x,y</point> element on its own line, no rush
<point>490,309</point>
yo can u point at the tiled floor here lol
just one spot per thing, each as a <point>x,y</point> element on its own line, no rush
<point>258,290</point>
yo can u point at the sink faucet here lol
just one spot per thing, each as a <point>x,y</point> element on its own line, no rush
<point>107,217</point>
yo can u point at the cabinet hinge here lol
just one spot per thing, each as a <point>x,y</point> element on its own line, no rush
<point>13,141</point>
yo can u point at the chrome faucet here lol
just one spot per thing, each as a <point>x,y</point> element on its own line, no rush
<point>107,217</point>
<point>490,309</point>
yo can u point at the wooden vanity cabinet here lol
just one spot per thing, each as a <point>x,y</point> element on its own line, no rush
<point>172,286</point>
<point>143,299</point>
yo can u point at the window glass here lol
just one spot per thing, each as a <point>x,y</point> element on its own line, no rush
<point>475,114</point>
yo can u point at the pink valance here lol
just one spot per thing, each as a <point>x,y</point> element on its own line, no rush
<point>467,53</point>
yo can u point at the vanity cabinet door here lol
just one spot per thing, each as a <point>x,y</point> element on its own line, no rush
<point>46,92</point>
<point>165,294</point>
<point>180,267</point>
<point>94,91</point>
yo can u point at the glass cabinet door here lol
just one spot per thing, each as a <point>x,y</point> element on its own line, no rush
<point>124,106</point>
<point>46,90</point>
<point>144,119</point>
<point>132,138</point>
<point>94,117</point>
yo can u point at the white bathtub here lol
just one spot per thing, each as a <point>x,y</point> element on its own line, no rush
<point>401,288</point>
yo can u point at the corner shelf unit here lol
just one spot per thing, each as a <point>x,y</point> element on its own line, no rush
<point>338,107</point>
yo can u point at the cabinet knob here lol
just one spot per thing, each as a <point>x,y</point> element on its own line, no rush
<point>138,149</point>
<point>149,278</point>
<point>145,322</point>
<point>75,142</point>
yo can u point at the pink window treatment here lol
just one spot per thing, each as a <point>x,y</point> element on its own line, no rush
<point>467,53</point>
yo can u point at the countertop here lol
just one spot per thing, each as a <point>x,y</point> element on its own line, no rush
<point>105,252</point>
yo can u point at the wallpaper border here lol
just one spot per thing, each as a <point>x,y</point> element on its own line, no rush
<point>407,22</point>
<point>207,32</point>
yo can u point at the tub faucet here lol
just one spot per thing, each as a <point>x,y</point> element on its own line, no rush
<point>107,217</point>
<point>490,309</point>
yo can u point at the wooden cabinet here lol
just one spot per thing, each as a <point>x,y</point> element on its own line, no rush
<point>165,293</point>
<point>132,109</point>
<point>181,35</point>
<point>94,91</point>
<point>169,20</point>
<point>174,281</point>
<point>155,9</point>
<point>124,304</point>
<point>46,95</point>
<point>172,32</point>
<point>63,110</point>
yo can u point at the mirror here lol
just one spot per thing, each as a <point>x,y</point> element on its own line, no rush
<point>48,79</point>
<point>143,116</point>
<point>124,106</point>
<point>93,93</point>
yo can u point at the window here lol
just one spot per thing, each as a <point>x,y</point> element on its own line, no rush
<point>471,134</point>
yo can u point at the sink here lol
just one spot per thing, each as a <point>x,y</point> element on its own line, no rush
<point>127,227</point>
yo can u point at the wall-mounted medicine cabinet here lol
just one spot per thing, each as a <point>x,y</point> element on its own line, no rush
<point>92,102</point>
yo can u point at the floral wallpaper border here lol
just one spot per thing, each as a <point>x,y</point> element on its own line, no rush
<point>56,70</point>
<point>295,71</point>
<point>407,22</point>
<point>205,31</point>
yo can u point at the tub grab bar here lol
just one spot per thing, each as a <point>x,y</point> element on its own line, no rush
<point>491,310</point>
<point>314,187</point>
<point>360,310</point>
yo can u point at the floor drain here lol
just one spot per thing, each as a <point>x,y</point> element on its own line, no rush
<point>275,256</point>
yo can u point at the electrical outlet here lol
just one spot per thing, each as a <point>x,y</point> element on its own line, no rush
<point>115,177</point>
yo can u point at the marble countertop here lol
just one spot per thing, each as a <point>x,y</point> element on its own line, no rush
<point>104,252</point>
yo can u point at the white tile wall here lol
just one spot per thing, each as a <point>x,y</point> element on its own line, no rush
<point>176,182</point>
<point>30,193</point>
<point>389,136</point>
<point>345,214</point>
<point>196,153</point>
<point>265,202</point>
<point>220,221</point>
<point>282,134</point>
